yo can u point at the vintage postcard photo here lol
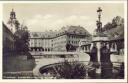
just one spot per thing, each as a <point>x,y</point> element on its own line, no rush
<point>64,41</point>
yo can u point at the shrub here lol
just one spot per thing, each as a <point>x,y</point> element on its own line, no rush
<point>71,70</point>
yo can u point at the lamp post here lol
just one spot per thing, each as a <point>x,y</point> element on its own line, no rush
<point>99,13</point>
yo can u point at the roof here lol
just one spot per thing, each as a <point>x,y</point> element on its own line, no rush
<point>77,30</point>
<point>5,28</point>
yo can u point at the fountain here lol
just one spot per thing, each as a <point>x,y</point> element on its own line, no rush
<point>100,51</point>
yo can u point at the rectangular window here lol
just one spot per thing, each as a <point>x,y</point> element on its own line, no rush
<point>69,42</point>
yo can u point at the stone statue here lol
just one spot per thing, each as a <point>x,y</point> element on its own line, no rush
<point>99,26</point>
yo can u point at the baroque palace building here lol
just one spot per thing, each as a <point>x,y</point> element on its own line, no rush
<point>65,39</point>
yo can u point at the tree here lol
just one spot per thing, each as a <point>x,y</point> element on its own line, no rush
<point>22,40</point>
<point>17,25</point>
<point>108,26</point>
<point>116,21</point>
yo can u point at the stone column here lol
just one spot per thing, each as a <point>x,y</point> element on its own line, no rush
<point>98,53</point>
<point>98,70</point>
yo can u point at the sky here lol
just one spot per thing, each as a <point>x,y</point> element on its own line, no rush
<point>40,17</point>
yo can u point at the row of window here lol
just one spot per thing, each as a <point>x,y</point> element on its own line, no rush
<point>73,42</point>
<point>54,44</point>
<point>41,49</point>
<point>58,43</point>
<point>59,38</point>
<point>75,37</point>
<point>38,43</point>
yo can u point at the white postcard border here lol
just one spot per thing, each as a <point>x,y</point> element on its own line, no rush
<point>65,80</point>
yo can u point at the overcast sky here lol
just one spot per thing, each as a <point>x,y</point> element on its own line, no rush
<point>40,17</point>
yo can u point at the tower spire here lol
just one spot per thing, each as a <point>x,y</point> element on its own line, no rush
<point>12,15</point>
<point>13,22</point>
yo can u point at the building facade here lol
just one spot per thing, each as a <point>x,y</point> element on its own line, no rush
<point>66,37</point>
<point>9,29</point>
<point>8,41</point>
